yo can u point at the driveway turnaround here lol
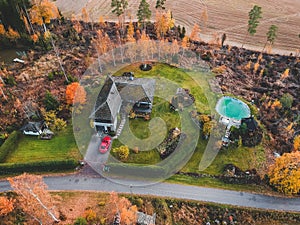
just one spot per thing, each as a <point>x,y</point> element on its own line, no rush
<point>243,199</point>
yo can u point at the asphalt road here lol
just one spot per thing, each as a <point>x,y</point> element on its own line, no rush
<point>79,182</point>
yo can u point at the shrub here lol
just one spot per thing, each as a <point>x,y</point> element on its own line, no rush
<point>80,221</point>
<point>287,100</point>
<point>53,121</point>
<point>90,215</point>
<point>122,152</point>
<point>101,203</point>
<point>10,81</point>
<point>50,102</point>
<point>50,76</point>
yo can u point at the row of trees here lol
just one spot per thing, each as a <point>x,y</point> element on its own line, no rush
<point>255,14</point>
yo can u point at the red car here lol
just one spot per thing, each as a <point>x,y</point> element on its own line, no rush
<point>105,144</point>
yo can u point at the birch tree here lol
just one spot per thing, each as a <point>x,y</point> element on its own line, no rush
<point>41,13</point>
<point>34,198</point>
<point>101,44</point>
<point>1,89</point>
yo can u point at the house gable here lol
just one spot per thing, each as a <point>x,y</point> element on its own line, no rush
<point>108,103</point>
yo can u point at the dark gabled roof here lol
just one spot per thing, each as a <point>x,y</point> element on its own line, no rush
<point>33,126</point>
<point>108,102</point>
<point>116,89</point>
<point>138,89</point>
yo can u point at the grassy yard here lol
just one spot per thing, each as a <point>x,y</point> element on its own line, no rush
<point>31,149</point>
<point>181,77</point>
<point>143,157</point>
<point>243,157</point>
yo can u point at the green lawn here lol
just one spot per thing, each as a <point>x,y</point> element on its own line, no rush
<point>31,149</point>
<point>181,77</point>
<point>243,157</point>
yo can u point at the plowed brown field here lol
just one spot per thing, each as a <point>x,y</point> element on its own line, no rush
<point>228,16</point>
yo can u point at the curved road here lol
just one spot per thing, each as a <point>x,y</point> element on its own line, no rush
<point>80,182</point>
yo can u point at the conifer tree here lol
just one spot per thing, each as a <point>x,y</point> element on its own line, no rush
<point>254,16</point>
<point>271,36</point>
<point>144,12</point>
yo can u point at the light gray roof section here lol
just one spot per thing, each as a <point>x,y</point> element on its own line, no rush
<point>148,84</point>
<point>114,101</point>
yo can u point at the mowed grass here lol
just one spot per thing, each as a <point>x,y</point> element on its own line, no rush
<point>174,74</point>
<point>242,157</point>
<point>142,157</point>
<point>31,149</point>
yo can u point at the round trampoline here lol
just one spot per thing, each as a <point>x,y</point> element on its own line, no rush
<point>232,108</point>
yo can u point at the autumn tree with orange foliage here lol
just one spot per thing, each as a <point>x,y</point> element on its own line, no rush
<point>184,44</point>
<point>34,198</point>
<point>195,33</point>
<point>76,24</point>
<point>43,11</point>
<point>101,44</point>
<point>144,44</point>
<point>6,205</point>
<point>163,23</point>
<point>297,143</point>
<point>285,173</point>
<point>130,32</point>
<point>75,94</point>
<point>127,211</point>
<point>204,16</point>
<point>12,34</point>
<point>2,29</point>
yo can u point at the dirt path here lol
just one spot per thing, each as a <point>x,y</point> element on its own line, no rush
<point>228,17</point>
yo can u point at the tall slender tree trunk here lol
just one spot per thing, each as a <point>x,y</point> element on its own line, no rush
<point>4,96</point>
<point>113,56</point>
<point>56,53</point>
<point>264,46</point>
<point>27,16</point>
<point>99,62</point>
<point>245,38</point>
<point>43,206</point>
<point>2,92</point>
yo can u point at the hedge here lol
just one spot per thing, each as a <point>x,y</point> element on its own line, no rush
<point>42,166</point>
<point>9,145</point>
